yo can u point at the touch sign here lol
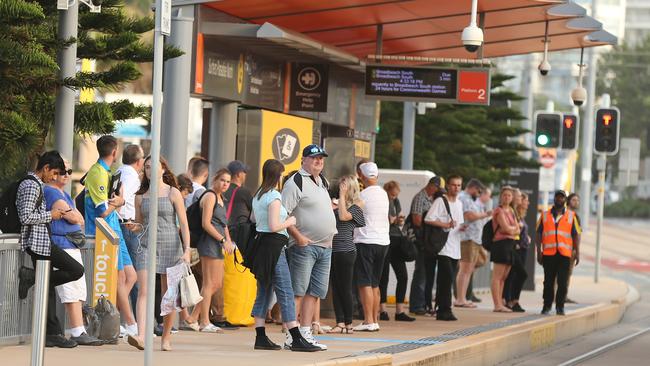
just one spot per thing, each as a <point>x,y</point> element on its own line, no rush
<point>427,84</point>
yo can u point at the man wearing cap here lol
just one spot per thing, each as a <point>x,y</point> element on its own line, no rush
<point>558,239</point>
<point>420,204</point>
<point>305,195</point>
<point>372,243</point>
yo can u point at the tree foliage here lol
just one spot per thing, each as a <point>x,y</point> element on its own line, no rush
<point>29,73</point>
<point>472,141</point>
<point>624,73</point>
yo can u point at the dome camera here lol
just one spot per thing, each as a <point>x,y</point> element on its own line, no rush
<point>578,96</point>
<point>472,38</point>
<point>544,67</point>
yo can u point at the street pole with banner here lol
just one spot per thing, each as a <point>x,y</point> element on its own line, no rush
<point>162,28</point>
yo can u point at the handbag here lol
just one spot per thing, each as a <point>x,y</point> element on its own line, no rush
<point>482,257</point>
<point>78,238</point>
<point>190,294</point>
<point>435,237</point>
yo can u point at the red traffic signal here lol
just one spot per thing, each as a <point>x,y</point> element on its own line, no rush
<point>569,131</point>
<point>607,131</point>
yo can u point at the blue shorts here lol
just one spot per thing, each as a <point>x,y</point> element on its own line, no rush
<point>123,257</point>
<point>310,270</point>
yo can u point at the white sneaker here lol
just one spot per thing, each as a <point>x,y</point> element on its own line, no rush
<point>288,340</point>
<point>363,327</point>
<point>309,337</point>
<point>211,328</point>
<point>122,331</point>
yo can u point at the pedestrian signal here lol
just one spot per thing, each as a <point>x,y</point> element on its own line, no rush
<point>607,131</point>
<point>547,129</point>
<point>569,131</point>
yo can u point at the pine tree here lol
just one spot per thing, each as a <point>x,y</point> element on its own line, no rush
<point>472,141</point>
<point>28,75</point>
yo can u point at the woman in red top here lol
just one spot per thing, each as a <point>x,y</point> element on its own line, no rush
<point>506,230</point>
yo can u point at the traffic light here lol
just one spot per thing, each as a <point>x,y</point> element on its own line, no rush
<point>547,131</point>
<point>569,131</point>
<point>607,129</point>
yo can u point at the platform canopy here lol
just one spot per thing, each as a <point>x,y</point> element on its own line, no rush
<point>426,28</point>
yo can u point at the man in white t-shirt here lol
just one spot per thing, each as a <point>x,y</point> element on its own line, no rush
<point>132,164</point>
<point>372,243</point>
<point>450,254</point>
<point>198,170</point>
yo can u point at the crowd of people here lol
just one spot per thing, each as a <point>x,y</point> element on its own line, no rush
<point>310,234</point>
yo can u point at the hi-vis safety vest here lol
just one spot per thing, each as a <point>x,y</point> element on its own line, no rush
<point>557,236</point>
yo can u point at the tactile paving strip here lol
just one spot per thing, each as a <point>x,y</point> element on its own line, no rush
<point>446,337</point>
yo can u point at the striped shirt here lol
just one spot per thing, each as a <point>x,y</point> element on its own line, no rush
<point>34,234</point>
<point>343,241</point>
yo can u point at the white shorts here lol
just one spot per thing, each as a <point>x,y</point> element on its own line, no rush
<point>76,290</point>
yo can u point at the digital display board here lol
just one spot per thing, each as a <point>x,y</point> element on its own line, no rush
<point>441,85</point>
<point>411,82</point>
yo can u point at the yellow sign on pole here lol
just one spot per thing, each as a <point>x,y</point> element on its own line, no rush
<point>105,265</point>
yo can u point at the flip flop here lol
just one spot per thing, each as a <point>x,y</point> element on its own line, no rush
<point>468,305</point>
<point>502,310</point>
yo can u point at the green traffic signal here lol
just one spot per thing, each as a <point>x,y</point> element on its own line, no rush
<point>543,140</point>
<point>548,129</point>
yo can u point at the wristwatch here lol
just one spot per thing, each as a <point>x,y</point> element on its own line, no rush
<point>223,240</point>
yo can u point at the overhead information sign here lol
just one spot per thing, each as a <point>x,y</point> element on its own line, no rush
<point>440,85</point>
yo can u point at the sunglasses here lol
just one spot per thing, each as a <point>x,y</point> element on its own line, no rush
<point>66,172</point>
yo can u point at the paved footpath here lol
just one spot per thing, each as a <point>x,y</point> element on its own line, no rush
<point>396,343</point>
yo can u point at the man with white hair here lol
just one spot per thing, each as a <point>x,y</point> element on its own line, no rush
<point>372,243</point>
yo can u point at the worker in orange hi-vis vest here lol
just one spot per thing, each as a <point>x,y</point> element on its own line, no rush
<point>558,242</point>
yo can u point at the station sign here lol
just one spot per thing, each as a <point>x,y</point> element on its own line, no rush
<point>428,84</point>
<point>309,86</point>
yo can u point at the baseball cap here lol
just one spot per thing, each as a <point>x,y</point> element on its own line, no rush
<point>560,192</point>
<point>439,182</point>
<point>313,150</point>
<point>237,166</point>
<point>369,170</point>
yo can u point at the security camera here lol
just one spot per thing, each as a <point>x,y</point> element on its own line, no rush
<point>579,95</point>
<point>472,38</point>
<point>544,67</point>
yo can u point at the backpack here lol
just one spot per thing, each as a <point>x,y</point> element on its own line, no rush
<point>487,235</point>
<point>80,199</point>
<point>297,178</point>
<point>9,220</point>
<point>194,220</point>
<point>435,237</point>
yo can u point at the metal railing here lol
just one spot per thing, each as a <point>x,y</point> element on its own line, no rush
<point>16,314</point>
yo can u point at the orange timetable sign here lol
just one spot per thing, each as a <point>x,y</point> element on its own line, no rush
<point>105,264</point>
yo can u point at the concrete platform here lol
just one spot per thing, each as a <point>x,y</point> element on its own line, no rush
<point>479,337</point>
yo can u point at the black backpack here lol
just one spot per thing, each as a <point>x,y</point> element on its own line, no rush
<point>194,218</point>
<point>435,237</point>
<point>9,221</point>
<point>487,235</point>
<point>297,178</point>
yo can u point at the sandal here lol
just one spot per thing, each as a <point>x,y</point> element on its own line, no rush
<point>502,310</point>
<point>469,305</point>
<point>316,328</point>
<point>337,329</point>
<point>348,329</point>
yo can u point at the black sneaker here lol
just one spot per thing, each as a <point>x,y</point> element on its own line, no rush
<point>26,279</point>
<point>473,298</point>
<point>384,316</point>
<point>225,325</point>
<point>85,340</point>
<point>546,310</point>
<point>446,316</point>
<point>418,311</point>
<point>301,345</point>
<point>559,311</point>
<point>517,308</point>
<point>570,301</point>
<point>403,317</point>
<point>266,344</point>
<point>59,341</point>
<point>158,330</point>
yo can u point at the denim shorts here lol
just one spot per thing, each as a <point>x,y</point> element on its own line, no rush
<point>132,243</point>
<point>310,269</point>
